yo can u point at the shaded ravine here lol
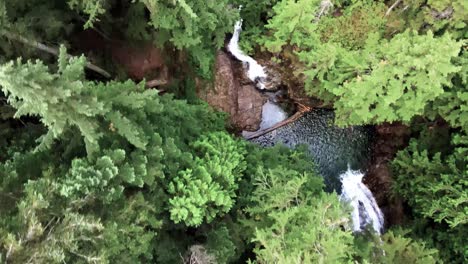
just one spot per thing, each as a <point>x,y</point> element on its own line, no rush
<point>339,153</point>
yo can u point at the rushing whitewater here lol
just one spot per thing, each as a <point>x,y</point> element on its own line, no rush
<point>255,72</point>
<point>365,208</point>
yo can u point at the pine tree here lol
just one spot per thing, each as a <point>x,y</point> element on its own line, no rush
<point>435,184</point>
<point>393,81</point>
<point>108,145</point>
<point>293,223</point>
<point>208,189</point>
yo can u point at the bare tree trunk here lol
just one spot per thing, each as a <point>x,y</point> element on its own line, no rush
<point>53,51</point>
<point>392,6</point>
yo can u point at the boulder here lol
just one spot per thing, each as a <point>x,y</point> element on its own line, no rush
<point>232,94</point>
<point>138,61</point>
<point>249,111</point>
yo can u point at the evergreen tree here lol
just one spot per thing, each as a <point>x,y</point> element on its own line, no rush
<point>435,184</point>
<point>296,224</point>
<point>108,145</point>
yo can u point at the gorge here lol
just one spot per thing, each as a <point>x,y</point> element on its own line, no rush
<point>338,152</point>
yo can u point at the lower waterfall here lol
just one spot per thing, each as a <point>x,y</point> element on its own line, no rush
<point>365,209</point>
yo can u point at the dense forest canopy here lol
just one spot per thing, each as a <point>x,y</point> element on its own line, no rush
<point>95,167</point>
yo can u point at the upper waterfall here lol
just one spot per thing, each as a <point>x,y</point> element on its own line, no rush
<point>255,71</point>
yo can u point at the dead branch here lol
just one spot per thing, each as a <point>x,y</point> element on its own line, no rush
<point>325,6</point>
<point>50,50</point>
<point>301,111</point>
<point>155,82</point>
<point>392,6</point>
<point>447,13</point>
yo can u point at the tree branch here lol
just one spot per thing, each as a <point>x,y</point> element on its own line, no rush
<point>392,6</point>
<point>50,50</point>
<point>156,82</point>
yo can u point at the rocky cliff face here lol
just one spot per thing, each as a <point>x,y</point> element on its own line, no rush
<point>233,94</point>
<point>390,138</point>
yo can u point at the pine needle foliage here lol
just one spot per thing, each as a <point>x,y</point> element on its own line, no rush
<point>437,188</point>
<point>111,145</point>
<point>435,185</point>
<point>387,81</point>
<point>60,99</point>
<point>295,223</point>
<point>208,189</point>
<point>196,26</point>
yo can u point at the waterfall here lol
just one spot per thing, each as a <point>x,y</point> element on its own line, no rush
<point>365,208</point>
<point>255,71</point>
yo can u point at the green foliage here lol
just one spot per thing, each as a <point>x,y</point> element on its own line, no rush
<point>130,233</point>
<point>208,188</point>
<point>45,237</point>
<point>352,29</point>
<point>54,97</point>
<point>92,8</point>
<point>293,25</point>
<point>220,244</point>
<point>451,242</point>
<point>452,105</point>
<point>296,223</point>
<point>198,26</point>
<point>438,16</point>
<point>369,75</point>
<point>387,81</point>
<point>399,249</point>
<point>111,172</point>
<point>137,150</point>
<point>42,18</point>
<point>277,157</point>
<point>435,185</point>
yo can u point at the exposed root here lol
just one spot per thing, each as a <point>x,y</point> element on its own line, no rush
<point>155,82</point>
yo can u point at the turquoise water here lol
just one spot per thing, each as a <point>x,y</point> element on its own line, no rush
<point>332,148</point>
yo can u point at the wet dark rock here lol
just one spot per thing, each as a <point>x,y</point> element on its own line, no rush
<point>389,139</point>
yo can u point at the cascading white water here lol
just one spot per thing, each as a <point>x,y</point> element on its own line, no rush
<point>365,208</point>
<point>255,72</point>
